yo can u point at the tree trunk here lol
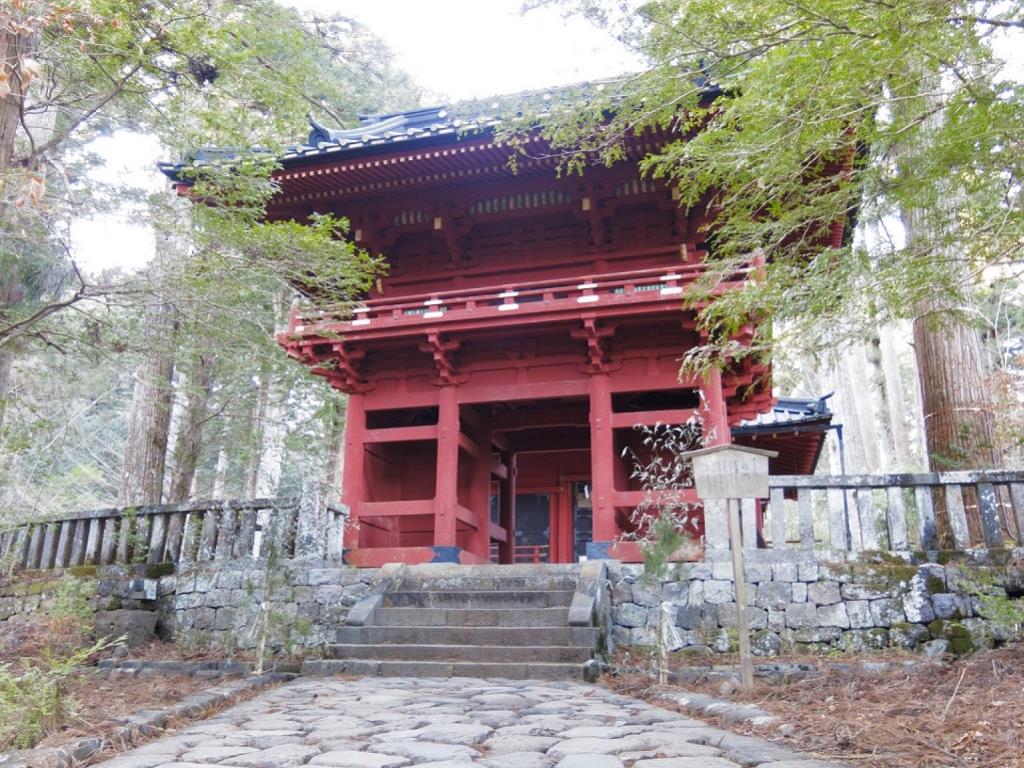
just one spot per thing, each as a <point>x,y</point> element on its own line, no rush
<point>13,47</point>
<point>6,363</point>
<point>959,422</point>
<point>335,470</point>
<point>189,440</point>
<point>220,475</point>
<point>265,471</point>
<point>142,475</point>
<point>958,413</point>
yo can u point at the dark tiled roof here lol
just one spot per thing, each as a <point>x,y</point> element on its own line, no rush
<point>789,412</point>
<point>379,130</point>
<point>398,128</point>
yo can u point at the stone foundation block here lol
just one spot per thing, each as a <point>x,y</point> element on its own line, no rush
<point>774,595</point>
<point>859,612</point>
<point>137,627</point>
<point>717,591</point>
<point>886,612</point>
<point>833,616</point>
<point>801,615</point>
<point>786,572</point>
<point>823,592</point>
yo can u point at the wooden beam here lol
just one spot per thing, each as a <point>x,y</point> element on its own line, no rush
<point>498,469</point>
<point>467,516</point>
<point>541,417</point>
<point>469,445</point>
<point>401,434</point>
<point>562,440</point>
<point>650,418</point>
<point>636,498</point>
<point>498,534</point>
<point>396,508</point>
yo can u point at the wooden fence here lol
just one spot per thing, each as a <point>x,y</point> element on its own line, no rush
<point>881,512</point>
<point>178,533</point>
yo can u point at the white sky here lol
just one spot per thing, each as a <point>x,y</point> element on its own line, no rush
<point>454,49</point>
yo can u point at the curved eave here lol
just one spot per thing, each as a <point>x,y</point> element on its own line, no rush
<point>308,156</point>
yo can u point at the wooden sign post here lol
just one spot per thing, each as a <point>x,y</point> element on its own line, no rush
<point>732,472</point>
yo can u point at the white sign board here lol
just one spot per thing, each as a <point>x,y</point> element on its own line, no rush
<point>731,472</point>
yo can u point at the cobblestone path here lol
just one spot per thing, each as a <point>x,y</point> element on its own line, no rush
<point>446,723</point>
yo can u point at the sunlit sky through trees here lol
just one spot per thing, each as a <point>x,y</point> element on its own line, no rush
<point>453,49</point>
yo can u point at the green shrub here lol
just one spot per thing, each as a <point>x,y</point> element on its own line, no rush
<point>33,700</point>
<point>73,600</point>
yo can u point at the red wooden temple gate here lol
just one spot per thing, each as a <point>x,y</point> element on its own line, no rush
<point>527,324</point>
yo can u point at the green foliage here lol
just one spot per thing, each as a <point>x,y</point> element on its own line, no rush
<point>73,600</point>
<point>194,73</point>
<point>664,522</point>
<point>795,117</point>
<point>662,542</point>
<point>33,701</point>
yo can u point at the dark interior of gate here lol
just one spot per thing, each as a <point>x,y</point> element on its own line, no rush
<point>528,323</point>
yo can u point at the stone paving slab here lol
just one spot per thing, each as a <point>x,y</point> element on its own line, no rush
<point>453,723</point>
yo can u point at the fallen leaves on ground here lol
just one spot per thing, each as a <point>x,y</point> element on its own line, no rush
<point>100,705</point>
<point>933,714</point>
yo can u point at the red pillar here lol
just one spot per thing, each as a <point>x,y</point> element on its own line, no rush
<point>480,493</point>
<point>563,547</point>
<point>353,478</point>
<point>507,510</point>
<point>602,459</point>
<point>446,492</point>
<point>716,419</point>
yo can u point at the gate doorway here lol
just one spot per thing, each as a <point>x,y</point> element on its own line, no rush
<point>554,525</point>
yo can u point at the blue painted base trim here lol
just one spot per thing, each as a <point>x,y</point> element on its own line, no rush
<point>447,555</point>
<point>599,550</point>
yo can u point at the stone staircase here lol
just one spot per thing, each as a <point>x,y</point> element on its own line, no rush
<point>522,622</point>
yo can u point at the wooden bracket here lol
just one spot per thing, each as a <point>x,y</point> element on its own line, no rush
<point>342,369</point>
<point>443,351</point>
<point>598,356</point>
<point>452,227</point>
<point>594,212</point>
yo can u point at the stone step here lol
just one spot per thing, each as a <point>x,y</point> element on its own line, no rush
<point>405,598</point>
<point>470,617</point>
<point>513,670</point>
<point>458,582</point>
<point>373,635</point>
<point>558,654</point>
<point>492,570</point>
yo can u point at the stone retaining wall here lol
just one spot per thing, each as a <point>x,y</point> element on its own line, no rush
<point>806,599</point>
<point>208,605</point>
<point>797,599</point>
<point>220,605</point>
